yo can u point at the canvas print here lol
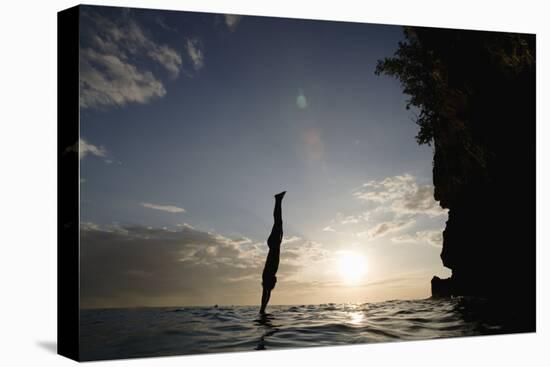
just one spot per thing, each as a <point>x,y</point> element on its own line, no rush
<point>253,183</point>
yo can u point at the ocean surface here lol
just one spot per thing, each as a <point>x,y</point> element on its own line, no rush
<point>146,332</point>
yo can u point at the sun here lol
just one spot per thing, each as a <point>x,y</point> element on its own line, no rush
<point>353,267</point>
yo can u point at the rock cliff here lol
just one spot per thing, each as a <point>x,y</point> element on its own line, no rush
<point>476,95</point>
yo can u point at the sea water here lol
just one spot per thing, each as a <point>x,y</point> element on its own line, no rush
<point>146,332</point>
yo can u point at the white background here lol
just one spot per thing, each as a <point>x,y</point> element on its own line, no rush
<point>28,183</point>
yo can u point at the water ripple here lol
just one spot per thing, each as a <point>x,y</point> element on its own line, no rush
<point>140,332</point>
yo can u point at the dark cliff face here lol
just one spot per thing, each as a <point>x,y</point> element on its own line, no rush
<point>476,94</point>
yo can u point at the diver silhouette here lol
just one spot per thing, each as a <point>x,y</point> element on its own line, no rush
<point>272,261</point>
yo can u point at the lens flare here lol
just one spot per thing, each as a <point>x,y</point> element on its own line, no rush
<point>301,101</point>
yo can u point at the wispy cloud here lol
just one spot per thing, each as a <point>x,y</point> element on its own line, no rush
<point>185,225</point>
<point>383,228</point>
<point>391,205</point>
<point>402,195</point>
<point>167,57</point>
<point>232,20</point>
<point>329,229</point>
<point>195,53</point>
<point>355,218</point>
<point>434,238</point>
<point>164,208</point>
<point>162,23</point>
<point>85,148</point>
<point>303,253</point>
<point>108,80</point>
<point>290,239</point>
<point>112,71</point>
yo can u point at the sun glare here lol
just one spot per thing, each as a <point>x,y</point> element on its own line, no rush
<point>353,267</point>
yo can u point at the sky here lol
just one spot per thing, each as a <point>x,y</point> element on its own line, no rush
<point>191,122</point>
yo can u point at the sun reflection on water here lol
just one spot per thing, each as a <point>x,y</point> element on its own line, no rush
<point>356,317</point>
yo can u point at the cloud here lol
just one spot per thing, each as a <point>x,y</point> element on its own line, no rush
<point>390,188</point>
<point>136,265</point>
<point>113,62</point>
<point>83,148</point>
<point>162,23</point>
<point>393,204</point>
<point>401,195</point>
<point>432,237</point>
<point>351,219</point>
<point>195,53</point>
<point>86,148</point>
<point>185,225</point>
<point>354,219</point>
<point>420,201</point>
<point>164,208</point>
<point>303,253</point>
<point>383,228</point>
<point>124,266</point>
<point>107,80</point>
<point>329,229</point>
<point>167,57</point>
<point>290,239</point>
<point>232,20</point>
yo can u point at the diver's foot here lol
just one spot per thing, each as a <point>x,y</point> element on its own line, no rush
<point>280,195</point>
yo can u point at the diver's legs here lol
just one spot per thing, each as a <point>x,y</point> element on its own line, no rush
<point>277,230</point>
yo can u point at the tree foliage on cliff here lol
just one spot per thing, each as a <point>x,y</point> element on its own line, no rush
<point>433,64</point>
